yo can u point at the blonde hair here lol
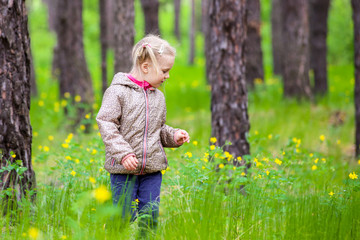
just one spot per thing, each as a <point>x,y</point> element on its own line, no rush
<point>151,48</point>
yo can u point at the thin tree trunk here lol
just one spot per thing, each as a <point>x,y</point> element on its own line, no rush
<point>151,14</point>
<point>74,76</point>
<point>227,34</point>
<point>15,128</point>
<point>253,51</point>
<point>318,32</point>
<point>192,34</point>
<point>177,7</point>
<point>103,42</point>
<point>296,46</point>
<point>356,19</point>
<point>276,36</point>
<point>205,28</point>
<point>123,34</point>
<point>110,22</point>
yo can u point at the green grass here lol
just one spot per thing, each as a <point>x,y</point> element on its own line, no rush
<point>287,188</point>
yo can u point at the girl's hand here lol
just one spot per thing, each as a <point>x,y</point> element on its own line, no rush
<point>181,137</point>
<point>130,163</point>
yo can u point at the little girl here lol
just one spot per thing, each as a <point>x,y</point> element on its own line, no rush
<point>132,125</point>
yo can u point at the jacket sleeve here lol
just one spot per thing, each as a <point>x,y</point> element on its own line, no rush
<point>167,135</point>
<point>108,120</point>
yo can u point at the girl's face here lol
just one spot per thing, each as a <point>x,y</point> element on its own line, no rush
<point>155,78</point>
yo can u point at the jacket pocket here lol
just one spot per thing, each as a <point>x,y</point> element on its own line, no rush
<point>163,152</point>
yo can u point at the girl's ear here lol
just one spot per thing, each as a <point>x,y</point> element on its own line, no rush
<point>145,67</point>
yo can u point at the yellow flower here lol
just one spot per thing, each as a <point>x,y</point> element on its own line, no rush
<point>228,156</point>
<point>14,155</point>
<point>70,136</point>
<point>283,153</point>
<point>91,160</point>
<point>137,200</point>
<point>256,132</point>
<point>234,168</point>
<point>40,147</point>
<point>77,98</point>
<point>94,151</point>
<point>63,237</point>
<point>202,167</point>
<point>316,160</point>
<point>314,167</point>
<point>87,116</point>
<point>33,233</point>
<point>243,174</point>
<point>213,140</point>
<point>65,145</point>
<point>41,103</point>
<point>205,160</point>
<point>322,138</point>
<point>67,95</point>
<point>212,147</point>
<point>63,103</point>
<point>92,180</point>
<point>51,138</point>
<point>93,209</point>
<point>95,127</point>
<point>36,134</point>
<point>73,173</point>
<point>239,158</point>
<point>67,140</point>
<point>46,148</point>
<point>270,136</point>
<point>359,161</point>
<point>278,161</point>
<point>195,143</point>
<point>267,172</point>
<point>297,150</point>
<point>221,165</point>
<point>216,155</point>
<point>77,161</point>
<point>323,159</point>
<point>338,141</point>
<point>101,194</point>
<point>353,175</point>
<point>188,154</point>
<point>331,193</point>
<point>294,140</point>
<point>311,154</point>
<point>68,158</point>
<point>206,155</point>
<point>82,127</point>
<point>163,172</point>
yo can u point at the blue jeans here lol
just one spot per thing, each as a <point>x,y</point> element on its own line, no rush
<point>146,188</point>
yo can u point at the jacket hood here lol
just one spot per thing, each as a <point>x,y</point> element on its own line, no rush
<point>121,79</point>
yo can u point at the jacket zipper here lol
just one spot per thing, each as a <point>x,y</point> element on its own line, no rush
<point>146,130</point>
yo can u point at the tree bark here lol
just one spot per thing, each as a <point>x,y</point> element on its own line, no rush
<point>74,76</point>
<point>192,34</point>
<point>356,18</point>
<point>229,104</point>
<point>177,7</point>
<point>15,128</point>
<point>151,15</point>
<point>109,5</point>
<point>205,25</point>
<point>123,34</point>
<point>318,32</point>
<point>103,42</point>
<point>295,28</point>
<point>253,51</point>
<point>276,36</point>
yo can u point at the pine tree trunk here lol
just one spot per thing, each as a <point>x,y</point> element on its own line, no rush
<point>151,15</point>
<point>296,46</point>
<point>205,29</point>
<point>227,34</point>
<point>74,75</point>
<point>109,5</point>
<point>318,32</point>
<point>253,51</point>
<point>192,34</point>
<point>177,7</point>
<point>276,36</point>
<point>15,128</point>
<point>356,19</point>
<point>103,42</point>
<point>123,34</point>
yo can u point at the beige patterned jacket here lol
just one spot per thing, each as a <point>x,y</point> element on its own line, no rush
<point>132,121</point>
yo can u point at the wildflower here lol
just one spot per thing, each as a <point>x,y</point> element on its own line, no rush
<point>33,233</point>
<point>195,143</point>
<point>283,153</point>
<point>67,140</point>
<point>65,145</point>
<point>46,148</point>
<point>323,160</point>
<point>73,173</point>
<point>13,155</point>
<point>212,147</point>
<point>95,127</point>
<point>314,167</point>
<point>259,176</point>
<point>316,160</point>
<point>40,147</point>
<point>203,167</point>
<point>338,141</point>
<point>278,161</point>
<point>92,180</point>
<point>68,158</point>
<point>311,154</point>
<point>77,98</point>
<point>188,154</point>
<point>56,107</point>
<point>270,136</point>
<point>228,156</point>
<point>216,155</point>
<point>257,163</point>
<point>77,161</point>
<point>331,193</point>
<point>353,175</point>
<point>294,140</point>
<point>41,103</point>
<point>63,103</point>
<point>87,116</point>
<point>239,158</point>
<point>267,172</point>
<point>163,172</point>
<point>67,95</point>
<point>100,136</point>
<point>265,159</point>
<point>94,151</point>
<point>256,132</point>
<point>297,150</point>
<point>206,155</point>
<point>93,209</point>
<point>359,161</point>
<point>243,174</point>
<point>91,160</point>
<point>63,237</point>
<point>51,138</point>
<point>101,194</point>
<point>234,168</point>
<point>221,165</point>
<point>213,140</point>
<point>82,127</point>
<point>137,200</point>
<point>70,136</point>
<point>36,134</point>
<point>322,138</point>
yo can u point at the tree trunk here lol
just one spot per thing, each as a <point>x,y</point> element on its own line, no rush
<point>15,128</point>
<point>74,76</point>
<point>109,5</point>
<point>253,52</point>
<point>356,19</point>
<point>227,34</point>
<point>177,7</point>
<point>205,25</point>
<point>123,34</point>
<point>103,42</point>
<point>151,15</point>
<point>276,36</point>
<point>295,28</point>
<point>192,34</point>
<point>318,32</point>
<point>52,17</point>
